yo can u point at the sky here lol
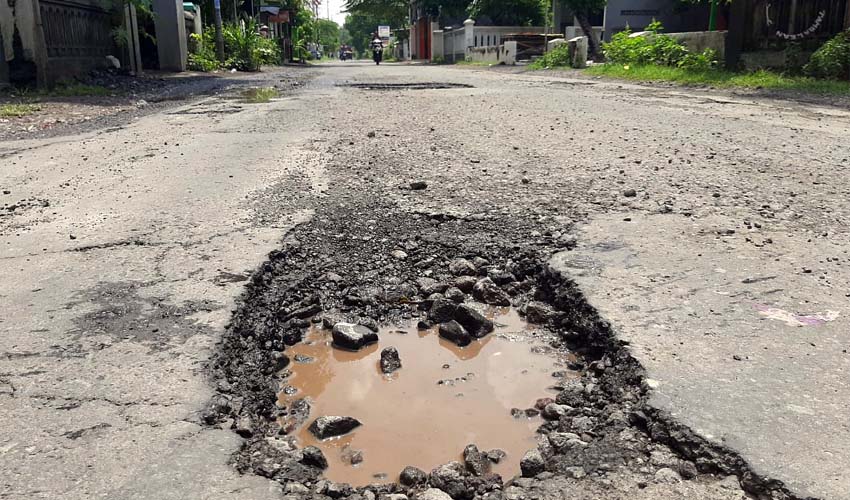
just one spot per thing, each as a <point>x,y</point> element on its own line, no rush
<point>335,7</point>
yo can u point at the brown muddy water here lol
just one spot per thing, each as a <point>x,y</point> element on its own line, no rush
<point>443,398</point>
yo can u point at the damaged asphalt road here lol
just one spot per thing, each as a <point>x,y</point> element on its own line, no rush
<point>568,195</point>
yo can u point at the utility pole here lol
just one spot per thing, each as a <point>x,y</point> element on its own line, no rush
<point>219,36</point>
<point>735,36</point>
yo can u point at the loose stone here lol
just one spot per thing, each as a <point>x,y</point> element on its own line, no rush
<point>475,461</point>
<point>488,292</point>
<point>433,494</point>
<point>390,360</point>
<point>465,283</point>
<point>473,321</point>
<point>351,336</point>
<point>442,310</point>
<point>454,332</point>
<point>532,463</point>
<point>331,426</point>
<point>314,456</point>
<point>411,476</point>
<point>462,267</point>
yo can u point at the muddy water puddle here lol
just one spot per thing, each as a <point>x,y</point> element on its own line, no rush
<point>443,398</point>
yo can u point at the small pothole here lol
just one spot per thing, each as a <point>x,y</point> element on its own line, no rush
<point>406,86</point>
<point>442,398</point>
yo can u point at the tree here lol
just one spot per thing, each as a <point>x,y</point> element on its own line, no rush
<point>509,12</point>
<point>582,9</point>
<point>391,13</point>
<point>359,27</point>
<point>328,35</point>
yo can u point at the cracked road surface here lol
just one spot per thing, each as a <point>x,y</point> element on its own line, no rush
<point>711,232</point>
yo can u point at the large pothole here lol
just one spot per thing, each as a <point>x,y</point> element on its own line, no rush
<point>488,393</point>
<point>383,267</point>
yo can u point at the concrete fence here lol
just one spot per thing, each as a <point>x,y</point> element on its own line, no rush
<point>477,43</point>
<point>696,41</point>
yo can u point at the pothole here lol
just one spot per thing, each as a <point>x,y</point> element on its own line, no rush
<point>441,398</point>
<point>599,438</point>
<point>407,86</point>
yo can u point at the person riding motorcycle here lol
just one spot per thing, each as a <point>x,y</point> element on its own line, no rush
<point>377,46</point>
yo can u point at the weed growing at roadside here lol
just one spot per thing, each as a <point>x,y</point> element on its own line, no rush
<point>655,48</point>
<point>260,95</point>
<point>18,110</point>
<point>559,56</point>
<point>723,79</point>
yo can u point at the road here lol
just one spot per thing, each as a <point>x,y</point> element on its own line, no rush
<point>709,230</point>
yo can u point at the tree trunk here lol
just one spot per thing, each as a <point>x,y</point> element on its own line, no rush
<point>592,46</point>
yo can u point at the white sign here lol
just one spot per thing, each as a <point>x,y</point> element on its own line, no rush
<point>383,31</point>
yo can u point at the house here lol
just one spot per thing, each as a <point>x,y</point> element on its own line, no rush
<point>47,41</point>
<point>423,23</point>
<point>674,15</point>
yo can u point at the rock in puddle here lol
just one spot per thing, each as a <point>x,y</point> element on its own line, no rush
<point>496,455</point>
<point>353,337</point>
<point>331,426</point>
<point>473,321</point>
<point>314,456</point>
<point>351,456</point>
<point>390,360</point>
<point>455,332</point>
<point>412,476</point>
<point>476,462</point>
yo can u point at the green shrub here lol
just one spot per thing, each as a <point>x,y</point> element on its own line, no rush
<point>244,49</point>
<point>702,61</point>
<point>559,56</point>
<point>832,60</point>
<point>657,49</point>
<point>652,48</point>
<point>202,52</point>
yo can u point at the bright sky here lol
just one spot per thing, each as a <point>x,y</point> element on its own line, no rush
<point>335,7</point>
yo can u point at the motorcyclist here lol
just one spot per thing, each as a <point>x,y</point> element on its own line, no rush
<point>377,46</point>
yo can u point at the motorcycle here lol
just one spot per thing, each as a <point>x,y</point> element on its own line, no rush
<point>377,55</point>
<point>345,55</point>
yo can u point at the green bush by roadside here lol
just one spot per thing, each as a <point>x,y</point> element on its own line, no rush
<point>244,49</point>
<point>559,56</point>
<point>832,60</point>
<point>656,49</point>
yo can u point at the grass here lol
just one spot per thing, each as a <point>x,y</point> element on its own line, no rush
<point>475,63</point>
<point>260,95</point>
<point>719,78</point>
<point>18,110</point>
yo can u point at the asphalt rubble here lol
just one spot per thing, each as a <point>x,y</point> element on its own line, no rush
<point>366,263</point>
